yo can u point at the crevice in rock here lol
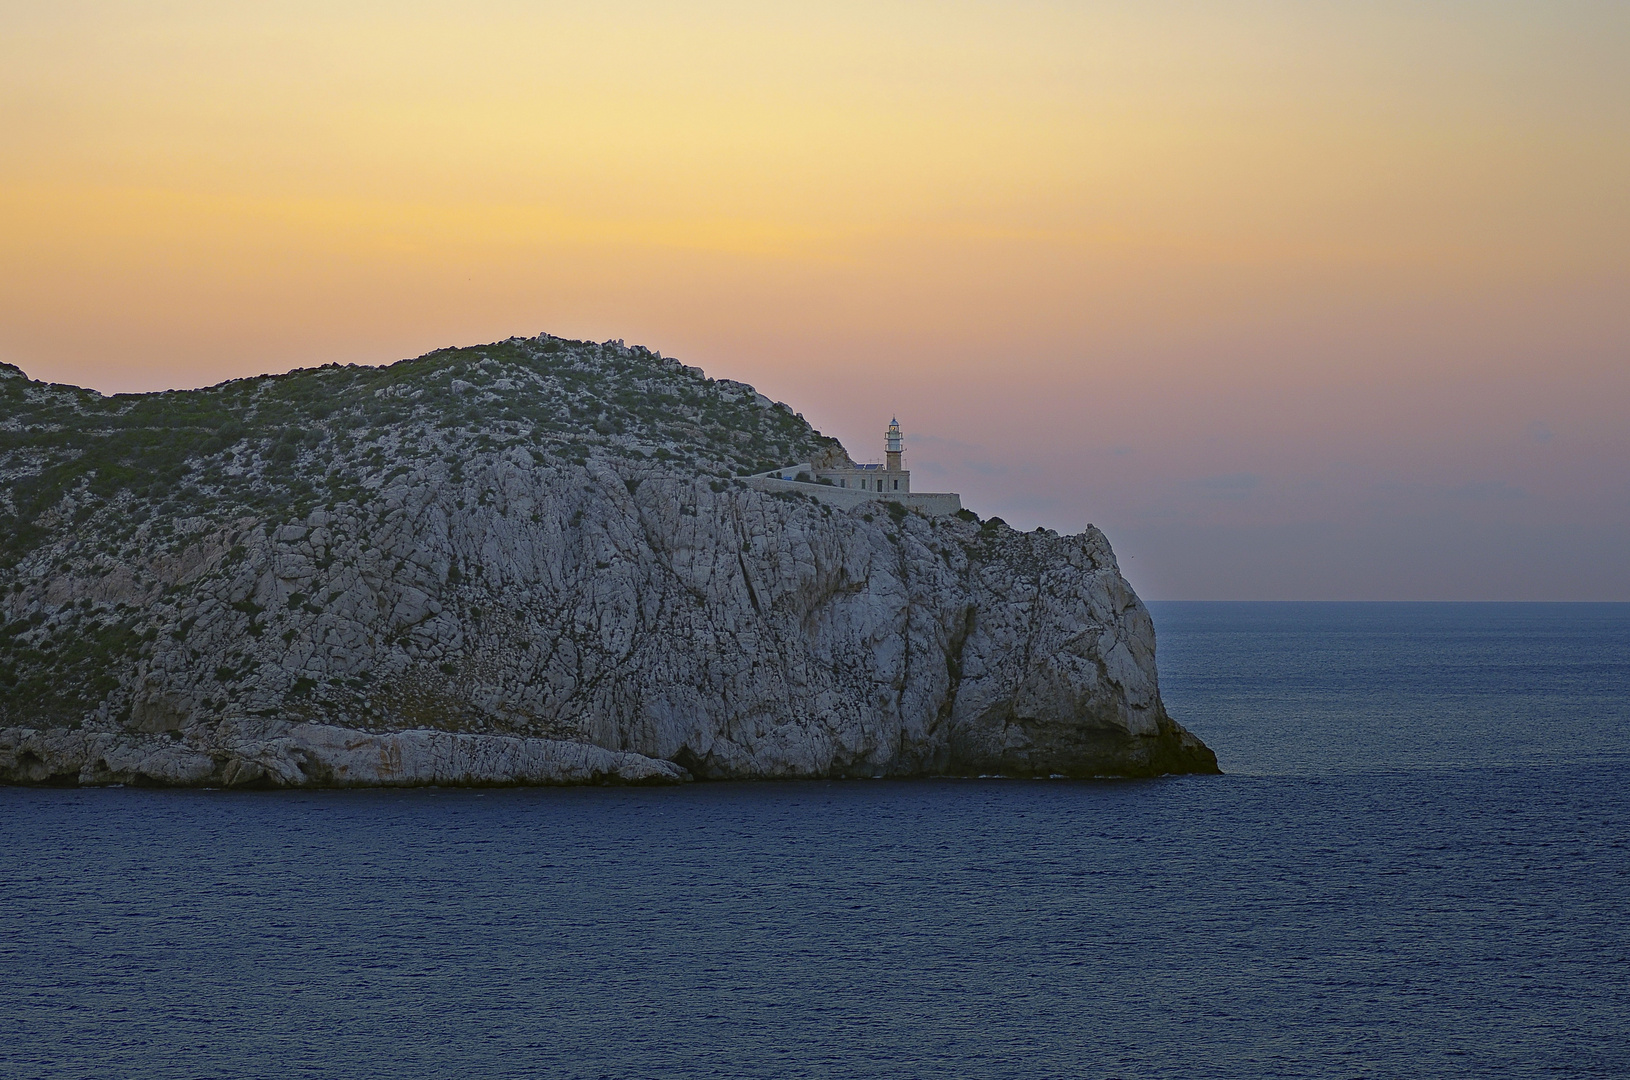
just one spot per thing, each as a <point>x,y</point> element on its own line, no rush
<point>752,594</point>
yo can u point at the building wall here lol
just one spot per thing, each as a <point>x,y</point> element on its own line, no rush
<point>896,483</point>
<point>936,502</point>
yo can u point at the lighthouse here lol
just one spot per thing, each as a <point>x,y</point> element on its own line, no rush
<point>832,477</point>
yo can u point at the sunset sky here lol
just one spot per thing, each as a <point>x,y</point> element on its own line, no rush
<point>1294,300</point>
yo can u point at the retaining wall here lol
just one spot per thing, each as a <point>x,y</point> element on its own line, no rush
<point>929,502</point>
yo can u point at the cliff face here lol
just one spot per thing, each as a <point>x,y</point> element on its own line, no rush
<point>526,562</point>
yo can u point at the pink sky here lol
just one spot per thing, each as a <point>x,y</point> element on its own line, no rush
<point>1293,301</point>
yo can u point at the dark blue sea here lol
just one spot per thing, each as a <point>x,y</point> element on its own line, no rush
<point>1418,865</point>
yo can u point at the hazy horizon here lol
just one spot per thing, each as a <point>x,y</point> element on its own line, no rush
<point>1294,302</point>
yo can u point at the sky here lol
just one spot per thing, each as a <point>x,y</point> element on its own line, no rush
<point>1303,300</point>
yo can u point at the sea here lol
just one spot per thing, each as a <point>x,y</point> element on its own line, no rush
<point>1417,864</point>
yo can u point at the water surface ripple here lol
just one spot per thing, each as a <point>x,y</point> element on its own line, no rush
<point>1365,913</point>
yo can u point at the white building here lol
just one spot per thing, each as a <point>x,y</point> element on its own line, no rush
<point>888,478</point>
<point>888,482</point>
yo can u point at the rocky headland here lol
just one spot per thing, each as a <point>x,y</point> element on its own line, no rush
<point>535,561</point>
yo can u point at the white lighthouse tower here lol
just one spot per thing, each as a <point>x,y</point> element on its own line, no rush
<point>856,484</point>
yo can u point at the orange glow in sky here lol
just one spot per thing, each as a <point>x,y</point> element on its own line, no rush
<point>1294,300</point>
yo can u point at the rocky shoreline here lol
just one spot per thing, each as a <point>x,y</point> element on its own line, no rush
<point>316,755</point>
<point>322,756</point>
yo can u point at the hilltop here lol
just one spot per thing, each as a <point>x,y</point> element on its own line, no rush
<point>285,444</point>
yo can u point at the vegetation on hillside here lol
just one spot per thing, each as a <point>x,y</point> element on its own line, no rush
<point>277,446</point>
<point>94,485</point>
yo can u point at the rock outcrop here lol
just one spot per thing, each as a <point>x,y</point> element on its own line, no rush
<point>528,562</point>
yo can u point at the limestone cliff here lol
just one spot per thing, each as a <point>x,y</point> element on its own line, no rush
<point>526,562</point>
